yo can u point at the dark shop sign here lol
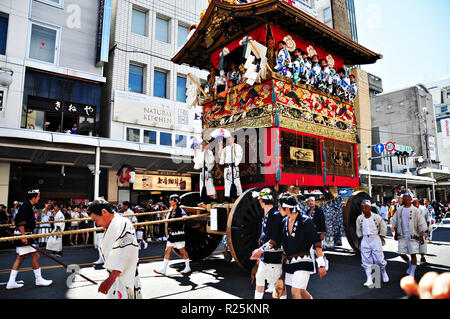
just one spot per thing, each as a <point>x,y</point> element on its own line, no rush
<point>44,104</point>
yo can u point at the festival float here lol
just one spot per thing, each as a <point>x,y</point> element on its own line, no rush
<point>303,131</point>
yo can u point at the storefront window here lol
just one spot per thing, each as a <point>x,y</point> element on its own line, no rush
<point>180,141</point>
<point>150,137</point>
<point>36,120</point>
<point>133,135</point>
<point>165,139</point>
<point>57,104</point>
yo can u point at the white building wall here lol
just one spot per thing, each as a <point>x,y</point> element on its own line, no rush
<point>14,60</point>
<point>148,52</point>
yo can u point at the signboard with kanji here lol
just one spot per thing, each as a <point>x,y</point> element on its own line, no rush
<point>162,183</point>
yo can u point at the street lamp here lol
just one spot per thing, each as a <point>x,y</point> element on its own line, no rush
<point>6,77</point>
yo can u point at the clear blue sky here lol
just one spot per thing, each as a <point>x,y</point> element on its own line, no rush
<point>412,35</point>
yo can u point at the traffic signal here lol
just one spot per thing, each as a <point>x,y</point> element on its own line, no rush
<point>402,157</point>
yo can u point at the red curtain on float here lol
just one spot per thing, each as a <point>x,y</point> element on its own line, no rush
<point>293,42</point>
<point>258,35</point>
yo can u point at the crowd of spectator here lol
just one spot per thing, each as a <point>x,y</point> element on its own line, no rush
<point>45,213</point>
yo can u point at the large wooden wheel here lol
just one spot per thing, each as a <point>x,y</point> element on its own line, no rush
<point>351,212</point>
<point>199,244</point>
<point>244,229</point>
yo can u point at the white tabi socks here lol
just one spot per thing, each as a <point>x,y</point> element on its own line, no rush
<point>12,284</point>
<point>187,268</point>
<point>385,275</point>
<point>39,280</point>
<point>100,259</point>
<point>369,281</point>
<point>259,295</point>
<point>162,271</point>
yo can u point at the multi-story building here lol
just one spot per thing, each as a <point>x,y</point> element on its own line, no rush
<point>339,15</point>
<point>441,100</point>
<point>52,83</point>
<point>144,100</point>
<point>405,117</point>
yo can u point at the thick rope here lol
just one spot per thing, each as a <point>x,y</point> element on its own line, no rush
<point>90,219</point>
<point>90,230</point>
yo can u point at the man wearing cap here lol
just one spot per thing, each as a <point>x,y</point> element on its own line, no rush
<point>409,229</point>
<point>269,254</point>
<point>371,229</point>
<point>298,235</point>
<point>177,237</point>
<point>25,224</point>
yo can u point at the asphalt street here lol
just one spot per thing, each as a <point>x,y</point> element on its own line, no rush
<point>215,278</point>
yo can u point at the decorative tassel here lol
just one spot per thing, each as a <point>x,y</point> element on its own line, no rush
<point>277,119</point>
<point>221,63</point>
<point>324,176</point>
<point>278,175</point>
<point>274,95</point>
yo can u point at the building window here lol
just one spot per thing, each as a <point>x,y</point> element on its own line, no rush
<point>56,3</point>
<point>133,134</point>
<point>160,84</point>
<point>182,35</point>
<point>181,89</point>
<point>327,17</point>
<point>3,32</point>
<point>136,79</point>
<point>150,137</point>
<point>139,22</point>
<point>389,107</point>
<point>162,30</point>
<point>165,139</point>
<point>378,109</point>
<point>43,45</point>
<point>180,141</point>
<point>444,109</point>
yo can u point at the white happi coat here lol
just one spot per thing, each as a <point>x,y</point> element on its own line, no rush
<point>371,230</point>
<point>208,161</point>
<point>228,157</point>
<point>54,243</point>
<point>119,249</point>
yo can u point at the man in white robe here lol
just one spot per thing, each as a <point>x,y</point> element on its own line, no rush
<point>54,243</point>
<point>231,156</point>
<point>372,229</point>
<point>119,250</point>
<point>204,160</point>
<point>409,230</point>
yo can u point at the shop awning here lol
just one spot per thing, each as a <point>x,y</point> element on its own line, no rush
<point>389,179</point>
<point>22,145</point>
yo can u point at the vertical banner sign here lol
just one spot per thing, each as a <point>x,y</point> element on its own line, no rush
<point>445,125</point>
<point>103,32</point>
